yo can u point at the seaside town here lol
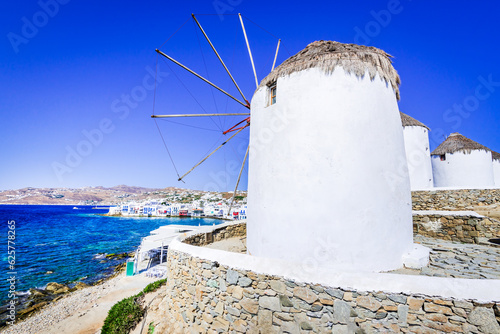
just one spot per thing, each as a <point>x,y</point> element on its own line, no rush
<point>187,204</point>
<point>360,220</point>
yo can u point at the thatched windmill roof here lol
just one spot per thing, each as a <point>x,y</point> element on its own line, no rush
<point>495,155</point>
<point>353,58</point>
<point>410,121</point>
<point>458,143</point>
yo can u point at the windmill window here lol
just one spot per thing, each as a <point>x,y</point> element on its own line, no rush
<point>272,90</point>
<point>443,157</point>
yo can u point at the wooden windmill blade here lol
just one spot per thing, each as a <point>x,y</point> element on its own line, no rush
<point>199,115</point>
<point>237,128</point>
<point>202,78</point>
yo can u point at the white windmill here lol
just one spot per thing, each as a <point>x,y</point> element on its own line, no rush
<point>331,183</point>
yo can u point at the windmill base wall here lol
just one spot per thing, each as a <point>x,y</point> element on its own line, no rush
<point>454,199</point>
<point>468,170</point>
<point>210,290</point>
<point>465,227</point>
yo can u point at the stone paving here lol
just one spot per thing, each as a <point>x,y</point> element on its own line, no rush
<point>450,259</point>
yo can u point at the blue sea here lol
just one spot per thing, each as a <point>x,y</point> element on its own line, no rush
<point>65,241</point>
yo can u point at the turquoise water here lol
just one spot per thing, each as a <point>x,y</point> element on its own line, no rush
<point>65,241</point>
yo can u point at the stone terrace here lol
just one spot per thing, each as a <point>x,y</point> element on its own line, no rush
<point>208,297</point>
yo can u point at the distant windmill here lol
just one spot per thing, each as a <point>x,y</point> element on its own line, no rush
<point>240,126</point>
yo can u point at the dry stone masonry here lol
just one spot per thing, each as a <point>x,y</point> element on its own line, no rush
<point>461,228</point>
<point>217,234</point>
<point>207,297</point>
<point>458,260</point>
<point>454,200</point>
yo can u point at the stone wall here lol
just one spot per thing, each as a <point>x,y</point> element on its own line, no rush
<point>454,200</point>
<point>462,228</point>
<point>219,233</point>
<point>206,297</point>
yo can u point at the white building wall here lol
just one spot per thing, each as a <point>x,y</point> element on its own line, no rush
<point>328,181</point>
<point>463,170</point>
<point>496,172</point>
<point>418,156</point>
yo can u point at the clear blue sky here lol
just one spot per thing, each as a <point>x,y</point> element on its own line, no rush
<point>78,69</point>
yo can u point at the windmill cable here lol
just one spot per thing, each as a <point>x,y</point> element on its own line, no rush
<point>232,63</point>
<point>216,14</point>
<point>220,59</point>
<point>208,156</point>
<point>201,78</point>
<point>206,70</point>
<point>266,32</point>
<point>213,145</point>
<point>239,177</point>
<point>234,151</point>
<point>165,144</point>
<point>191,126</point>
<point>154,92</point>
<point>174,33</point>
<point>194,98</point>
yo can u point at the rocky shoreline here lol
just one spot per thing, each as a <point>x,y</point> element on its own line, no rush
<point>38,299</point>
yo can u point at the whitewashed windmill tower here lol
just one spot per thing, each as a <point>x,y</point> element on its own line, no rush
<point>462,163</point>
<point>418,154</point>
<point>328,180</point>
<point>496,168</point>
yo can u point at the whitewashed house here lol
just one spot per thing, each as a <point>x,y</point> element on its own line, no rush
<point>326,135</point>
<point>174,209</point>
<point>418,154</point>
<point>125,209</point>
<point>163,210</point>
<point>115,210</point>
<point>459,162</point>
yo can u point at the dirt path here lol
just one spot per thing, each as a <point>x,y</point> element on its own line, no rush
<point>82,311</point>
<point>90,318</point>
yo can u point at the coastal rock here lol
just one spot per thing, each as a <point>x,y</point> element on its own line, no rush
<point>31,309</point>
<point>80,285</point>
<point>53,286</point>
<point>37,293</point>
<point>64,289</point>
